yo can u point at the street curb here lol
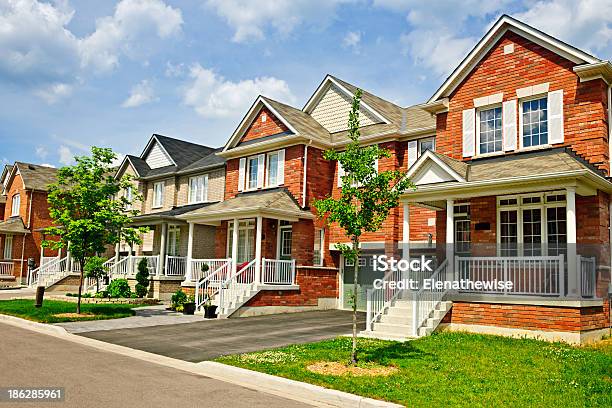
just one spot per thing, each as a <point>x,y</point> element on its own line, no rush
<point>282,387</point>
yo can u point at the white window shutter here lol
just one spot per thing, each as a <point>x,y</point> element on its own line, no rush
<point>241,173</point>
<point>261,159</point>
<point>280,177</point>
<point>205,188</point>
<point>509,118</point>
<point>340,174</point>
<point>555,117</point>
<point>469,122</point>
<point>412,152</point>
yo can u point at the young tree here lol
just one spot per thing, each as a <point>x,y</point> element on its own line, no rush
<point>366,198</point>
<point>94,268</point>
<point>88,210</point>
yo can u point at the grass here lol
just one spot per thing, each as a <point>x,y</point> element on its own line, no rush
<point>455,369</point>
<point>25,309</point>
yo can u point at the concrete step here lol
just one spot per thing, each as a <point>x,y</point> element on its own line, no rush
<point>399,311</point>
<point>394,319</point>
<point>384,336</point>
<point>398,329</point>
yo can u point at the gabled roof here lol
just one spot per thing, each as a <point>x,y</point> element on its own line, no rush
<point>504,24</point>
<point>181,152</point>
<point>13,225</point>
<point>34,176</point>
<point>453,169</point>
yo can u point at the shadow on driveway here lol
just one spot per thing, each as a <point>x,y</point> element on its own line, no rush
<point>209,339</point>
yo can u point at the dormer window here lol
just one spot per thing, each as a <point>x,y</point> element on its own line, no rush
<point>16,203</point>
<point>489,130</point>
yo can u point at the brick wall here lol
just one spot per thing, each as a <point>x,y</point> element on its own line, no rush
<point>314,284</point>
<point>258,128</point>
<point>531,317</point>
<point>585,104</point>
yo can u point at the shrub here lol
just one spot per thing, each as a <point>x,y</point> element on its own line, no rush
<point>142,277</point>
<point>119,288</point>
<point>101,294</point>
<point>178,298</point>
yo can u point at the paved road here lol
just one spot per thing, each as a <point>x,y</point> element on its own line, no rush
<point>206,340</point>
<point>95,378</point>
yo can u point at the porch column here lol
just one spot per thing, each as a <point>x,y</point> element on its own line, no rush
<point>235,246</point>
<point>189,271</point>
<point>450,234</point>
<point>258,249</point>
<point>406,232</point>
<point>573,276</point>
<point>162,249</point>
<point>68,257</point>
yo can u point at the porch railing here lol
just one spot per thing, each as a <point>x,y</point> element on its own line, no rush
<point>213,264</point>
<point>208,286</point>
<point>380,299</point>
<point>6,268</point>
<point>176,265</point>
<point>278,272</point>
<point>541,275</point>
<point>428,297</point>
<point>46,259</point>
<point>587,268</point>
<point>129,265</point>
<point>236,285</point>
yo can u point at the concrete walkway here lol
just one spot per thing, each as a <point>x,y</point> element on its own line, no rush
<point>96,378</point>
<point>147,316</point>
<point>7,294</point>
<point>208,339</point>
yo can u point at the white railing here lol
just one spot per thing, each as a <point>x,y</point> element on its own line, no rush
<point>129,265</point>
<point>175,265</point>
<point>152,263</point>
<point>213,264</point>
<point>6,268</point>
<point>427,298</point>
<point>538,275</point>
<point>278,272</point>
<point>46,259</point>
<point>49,272</point>
<point>588,269</point>
<point>208,286</point>
<point>237,284</point>
<point>380,299</point>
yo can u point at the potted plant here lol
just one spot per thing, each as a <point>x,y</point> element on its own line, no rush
<point>178,299</point>
<point>210,310</point>
<point>189,306</point>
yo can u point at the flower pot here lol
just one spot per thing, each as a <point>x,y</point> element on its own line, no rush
<point>189,308</point>
<point>210,312</point>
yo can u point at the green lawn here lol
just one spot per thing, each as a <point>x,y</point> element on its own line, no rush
<point>24,308</point>
<point>455,369</point>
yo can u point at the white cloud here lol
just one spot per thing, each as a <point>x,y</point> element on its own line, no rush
<point>141,93</point>
<point>127,31</point>
<point>211,95</point>
<point>352,39</point>
<point>41,152</point>
<point>54,92</point>
<point>174,70</point>
<point>583,23</point>
<point>251,19</point>
<point>65,155</point>
<point>47,165</point>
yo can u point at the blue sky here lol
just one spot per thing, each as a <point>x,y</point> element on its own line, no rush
<point>76,73</point>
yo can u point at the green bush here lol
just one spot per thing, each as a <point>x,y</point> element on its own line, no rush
<point>101,294</point>
<point>142,277</point>
<point>119,288</point>
<point>178,298</point>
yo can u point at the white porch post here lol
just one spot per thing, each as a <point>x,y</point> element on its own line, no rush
<point>573,275</point>
<point>68,257</point>
<point>406,232</point>
<point>450,234</point>
<point>235,246</point>
<point>189,271</point>
<point>258,249</point>
<point>162,249</point>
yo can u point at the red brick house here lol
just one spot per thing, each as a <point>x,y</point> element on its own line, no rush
<point>25,215</point>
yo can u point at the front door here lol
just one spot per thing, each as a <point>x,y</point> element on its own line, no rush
<point>285,240</point>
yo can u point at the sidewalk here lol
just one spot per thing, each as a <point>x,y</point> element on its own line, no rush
<point>7,294</point>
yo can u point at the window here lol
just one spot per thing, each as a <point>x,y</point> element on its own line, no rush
<point>535,122</point>
<point>427,144</point>
<point>128,197</point>
<point>252,170</point>
<point>174,234</point>
<point>16,202</point>
<point>246,240</point>
<point>285,239</point>
<point>198,189</point>
<point>319,240</point>
<point>537,222</point>
<point>462,228</point>
<point>158,194</point>
<point>272,167</point>
<point>8,247</point>
<point>490,130</point>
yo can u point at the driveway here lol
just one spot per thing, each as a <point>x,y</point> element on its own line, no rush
<point>96,378</point>
<point>209,339</point>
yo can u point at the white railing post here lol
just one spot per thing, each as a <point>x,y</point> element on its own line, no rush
<point>505,267</point>
<point>264,271</point>
<point>258,233</point>
<point>369,309</point>
<point>189,271</point>
<point>561,275</point>
<point>162,248</point>
<point>293,272</point>
<point>415,314</point>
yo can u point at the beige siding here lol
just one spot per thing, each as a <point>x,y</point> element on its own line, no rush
<point>138,186</point>
<point>216,186</point>
<point>157,157</point>
<point>204,241</point>
<point>169,196</point>
<point>333,110</point>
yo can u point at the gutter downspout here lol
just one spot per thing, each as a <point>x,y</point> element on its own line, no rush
<point>304,175</point>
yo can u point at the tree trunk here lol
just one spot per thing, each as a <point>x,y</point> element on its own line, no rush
<point>82,264</point>
<point>355,280</point>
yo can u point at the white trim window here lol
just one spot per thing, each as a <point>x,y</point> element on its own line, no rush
<point>272,167</point>
<point>15,204</point>
<point>198,189</point>
<point>246,240</point>
<point>174,236</point>
<point>8,247</point>
<point>534,122</point>
<point>532,224</point>
<point>319,244</point>
<point>463,239</point>
<point>489,130</point>
<point>252,172</point>
<point>158,194</point>
<point>285,239</point>
<point>425,144</point>
<point>128,196</point>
